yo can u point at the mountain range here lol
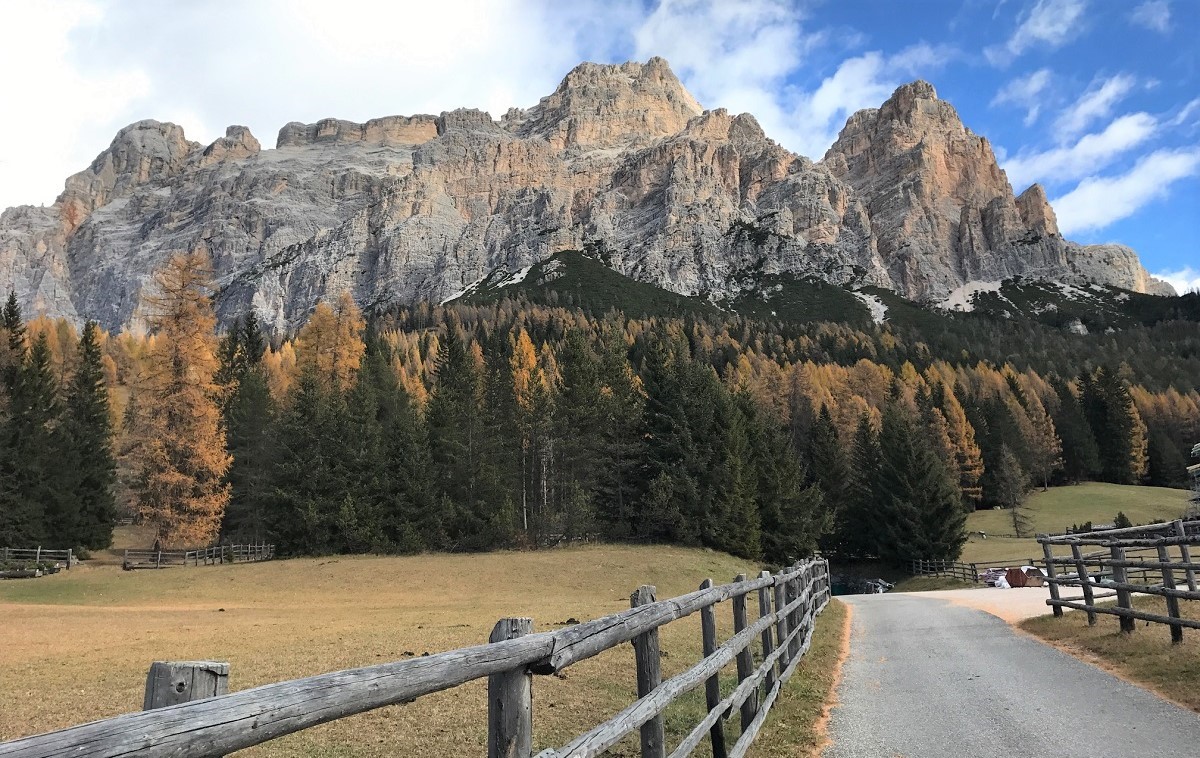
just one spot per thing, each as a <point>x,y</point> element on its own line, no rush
<point>619,161</point>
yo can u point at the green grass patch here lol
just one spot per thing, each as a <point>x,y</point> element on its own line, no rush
<point>1145,656</point>
<point>1053,511</point>
<point>791,727</point>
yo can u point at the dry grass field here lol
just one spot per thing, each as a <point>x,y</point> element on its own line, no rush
<point>77,644</point>
<point>1146,656</point>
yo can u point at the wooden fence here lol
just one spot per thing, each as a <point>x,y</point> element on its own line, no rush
<point>1144,550</point>
<point>788,604</point>
<point>38,555</point>
<point>209,556</point>
<point>967,572</point>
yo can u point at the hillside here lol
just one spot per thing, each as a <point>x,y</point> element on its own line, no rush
<point>1055,511</point>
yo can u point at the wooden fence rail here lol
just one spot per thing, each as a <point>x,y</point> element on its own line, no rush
<point>37,555</point>
<point>1109,572</point>
<point>967,572</point>
<point>219,725</point>
<point>209,556</point>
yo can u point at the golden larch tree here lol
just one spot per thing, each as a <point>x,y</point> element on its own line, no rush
<point>331,343</point>
<point>182,459</point>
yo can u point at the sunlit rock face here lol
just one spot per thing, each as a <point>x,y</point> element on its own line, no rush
<point>408,208</point>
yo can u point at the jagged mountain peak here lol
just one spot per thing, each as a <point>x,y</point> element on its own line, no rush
<point>619,158</point>
<point>602,105</point>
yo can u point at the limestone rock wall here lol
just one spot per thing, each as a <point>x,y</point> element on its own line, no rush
<point>404,208</point>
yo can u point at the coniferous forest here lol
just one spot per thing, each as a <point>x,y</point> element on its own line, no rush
<point>520,424</point>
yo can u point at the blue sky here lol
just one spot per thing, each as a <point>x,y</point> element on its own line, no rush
<point>1099,100</point>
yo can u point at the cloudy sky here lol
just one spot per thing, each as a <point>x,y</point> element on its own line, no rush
<point>1099,100</point>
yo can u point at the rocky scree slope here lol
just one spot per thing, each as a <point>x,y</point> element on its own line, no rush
<point>619,158</point>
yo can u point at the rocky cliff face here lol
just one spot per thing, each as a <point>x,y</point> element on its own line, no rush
<point>620,158</point>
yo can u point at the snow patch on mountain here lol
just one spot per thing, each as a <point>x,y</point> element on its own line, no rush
<point>963,298</point>
<point>876,306</point>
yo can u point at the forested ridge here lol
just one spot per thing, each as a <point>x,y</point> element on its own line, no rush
<point>528,421</point>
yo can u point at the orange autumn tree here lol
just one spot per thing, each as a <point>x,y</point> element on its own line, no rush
<point>331,344</point>
<point>180,477</point>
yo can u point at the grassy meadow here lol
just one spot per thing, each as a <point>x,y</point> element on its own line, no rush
<point>1060,507</point>
<point>77,645</point>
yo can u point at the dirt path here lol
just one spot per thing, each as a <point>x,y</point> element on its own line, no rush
<point>928,677</point>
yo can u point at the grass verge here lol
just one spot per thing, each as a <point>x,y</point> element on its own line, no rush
<point>1145,657</point>
<point>796,726</point>
<point>932,583</point>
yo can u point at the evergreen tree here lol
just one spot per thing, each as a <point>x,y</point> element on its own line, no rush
<point>1116,426</point>
<point>857,527</point>
<point>1081,457</point>
<point>1166,465</point>
<point>920,511</point>
<point>1009,482</point>
<point>736,528</point>
<point>36,502</point>
<point>249,412</point>
<point>88,434</point>
<point>13,345</point>
<point>480,515</point>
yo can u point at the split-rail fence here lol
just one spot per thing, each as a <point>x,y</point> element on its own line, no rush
<point>209,556</point>
<point>788,604</point>
<point>1136,560</point>
<point>38,555</point>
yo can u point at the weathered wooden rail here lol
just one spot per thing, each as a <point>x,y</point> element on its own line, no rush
<point>788,604</point>
<point>967,572</point>
<point>209,556</point>
<point>38,555</point>
<point>1141,549</point>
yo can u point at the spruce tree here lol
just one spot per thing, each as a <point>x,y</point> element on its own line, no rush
<point>920,514</point>
<point>249,414</point>
<point>857,529</point>
<point>88,436</point>
<point>36,502</point>
<point>1081,457</point>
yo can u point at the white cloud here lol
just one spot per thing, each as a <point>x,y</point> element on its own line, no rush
<point>1095,104</point>
<point>1025,92</point>
<point>88,67</point>
<point>1185,113</point>
<point>1091,153</point>
<point>1099,201</point>
<point>47,98</point>
<point>737,56</point>
<point>1050,24</point>
<point>1154,15</point>
<point>1186,279</point>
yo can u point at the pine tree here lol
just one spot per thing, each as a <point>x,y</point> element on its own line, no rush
<point>919,504</point>
<point>857,527</point>
<point>1009,482</point>
<point>180,485</point>
<point>88,435</point>
<point>249,412</point>
<point>36,503</point>
<point>1081,457</point>
<point>13,347</point>
<point>1116,426</point>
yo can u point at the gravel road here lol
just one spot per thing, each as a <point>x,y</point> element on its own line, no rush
<point>926,679</point>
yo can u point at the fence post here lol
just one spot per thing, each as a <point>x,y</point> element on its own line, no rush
<point>1085,582</point>
<point>764,609</point>
<point>1172,602</point>
<point>649,675</point>
<point>1124,599</point>
<point>1185,552</point>
<point>158,560</point>
<point>1052,574</point>
<point>712,686</point>
<point>793,617</point>
<point>510,699</point>
<point>745,663</point>
<point>781,624</point>
<point>175,682</point>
